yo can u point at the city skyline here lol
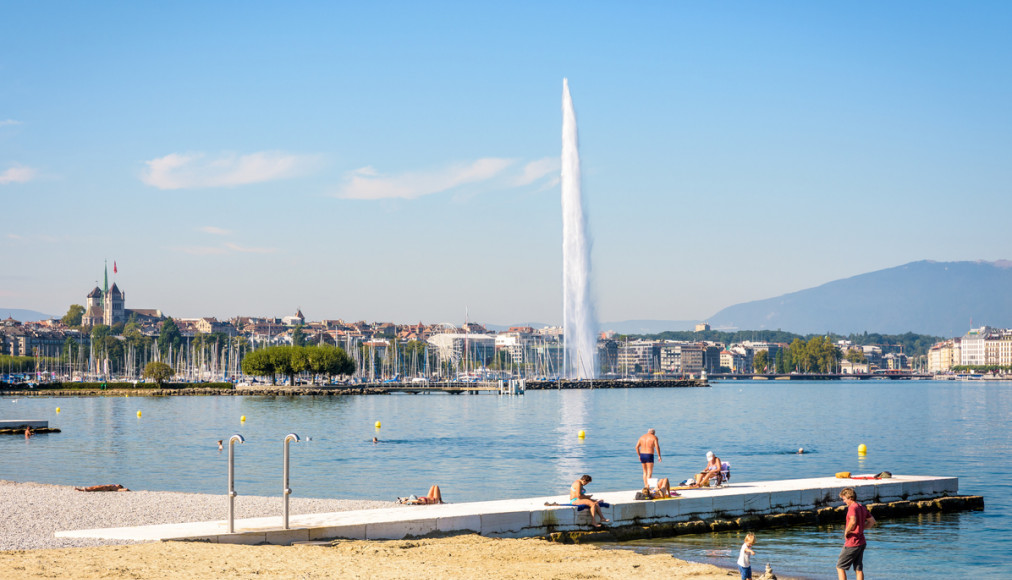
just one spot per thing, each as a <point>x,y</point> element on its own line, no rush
<point>402,162</point>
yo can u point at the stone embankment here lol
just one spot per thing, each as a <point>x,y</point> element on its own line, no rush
<point>826,515</point>
<point>69,390</point>
<point>615,384</point>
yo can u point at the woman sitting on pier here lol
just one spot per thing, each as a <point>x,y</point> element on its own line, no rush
<point>711,470</point>
<point>578,496</point>
<point>433,497</point>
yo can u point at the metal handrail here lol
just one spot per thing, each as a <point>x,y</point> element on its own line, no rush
<point>286,490</point>
<point>231,480</point>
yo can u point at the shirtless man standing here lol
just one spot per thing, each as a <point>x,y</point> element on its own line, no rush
<point>646,447</point>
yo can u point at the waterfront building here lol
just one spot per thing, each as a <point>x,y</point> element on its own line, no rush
<point>640,356</point>
<point>702,326</point>
<point>295,320</point>
<point>733,361</point>
<point>514,343</point>
<point>852,368</point>
<point>17,339</point>
<point>681,358</point>
<point>942,356</point>
<point>972,347</point>
<point>456,347</point>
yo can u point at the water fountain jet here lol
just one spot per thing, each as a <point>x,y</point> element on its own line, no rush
<point>579,319</point>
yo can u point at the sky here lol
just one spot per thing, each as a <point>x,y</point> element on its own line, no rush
<point>400,161</point>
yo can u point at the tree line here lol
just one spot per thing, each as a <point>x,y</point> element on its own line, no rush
<point>817,355</point>
<point>289,361</point>
<point>909,343</point>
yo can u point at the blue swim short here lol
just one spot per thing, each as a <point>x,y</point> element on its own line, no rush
<point>646,457</point>
<point>746,572</point>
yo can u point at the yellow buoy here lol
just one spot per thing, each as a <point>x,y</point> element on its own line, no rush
<point>242,419</point>
<point>57,409</point>
<point>378,424</point>
<point>862,449</point>
<point>138,413</point>
<point>581,434</point>
<point>127,395</point>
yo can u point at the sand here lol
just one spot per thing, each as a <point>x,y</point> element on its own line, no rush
<point>467,556</point>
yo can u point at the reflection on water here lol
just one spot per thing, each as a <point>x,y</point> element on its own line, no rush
<point>573,418</point>
<point>486,446</point>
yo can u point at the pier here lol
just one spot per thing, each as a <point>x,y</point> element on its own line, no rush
<point>744,504</point>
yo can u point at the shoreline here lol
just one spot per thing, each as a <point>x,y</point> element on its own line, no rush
<point>226,389</point>
<point>33,512</point>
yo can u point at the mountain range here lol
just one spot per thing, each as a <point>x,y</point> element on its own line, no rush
<point>22,315</point>
<point>935,298</point>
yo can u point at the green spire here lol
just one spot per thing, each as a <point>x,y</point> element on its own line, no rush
<point>105,291</point>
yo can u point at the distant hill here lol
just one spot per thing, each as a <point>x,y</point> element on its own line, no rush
<point>24,315</point>
<point>647,326</point>
<point>505,327</point>
<point>936,298</point>
<point>621,326</point>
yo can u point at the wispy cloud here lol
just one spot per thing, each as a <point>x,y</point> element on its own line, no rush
<point>536,170</point>
<point>198,170</point>
<point>9,122</point>
<point>367,183</point>
<point>17,174</point>
<point>202,250</point>
<point>225,248</point>
<point>215,231</point>
<point>249,250</point>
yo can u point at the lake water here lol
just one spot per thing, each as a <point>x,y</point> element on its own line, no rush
<point>480,447</point>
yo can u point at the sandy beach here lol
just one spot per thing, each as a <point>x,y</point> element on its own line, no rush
<point>30,513</point>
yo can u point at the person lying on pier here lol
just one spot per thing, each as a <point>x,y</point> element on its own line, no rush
<point>108,487</point>
<point>711,470</point>
<point>663,489</point>
<point>433,497</point>
<point>578,497</point>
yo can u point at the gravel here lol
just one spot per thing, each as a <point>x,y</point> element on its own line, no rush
<point>30,513</point>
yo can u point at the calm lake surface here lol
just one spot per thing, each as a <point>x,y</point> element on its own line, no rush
<point>479,447</point>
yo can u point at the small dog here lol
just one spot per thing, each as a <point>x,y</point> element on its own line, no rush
<point>769,575</point>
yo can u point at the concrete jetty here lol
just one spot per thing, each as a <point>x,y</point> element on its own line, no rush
<point>529,517</point>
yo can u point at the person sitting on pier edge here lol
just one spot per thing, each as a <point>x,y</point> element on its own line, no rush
<point>711,470</point>
<point>433,497</point>
<point>578,496</point>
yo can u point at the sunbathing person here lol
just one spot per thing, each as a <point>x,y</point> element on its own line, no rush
<point>663,490</point>
<point>711,470</point>
<point>433,497</point>
<point>578,496</point>
<point>108,487</point>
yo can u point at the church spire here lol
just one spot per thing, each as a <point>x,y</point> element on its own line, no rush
<point>105,289</point>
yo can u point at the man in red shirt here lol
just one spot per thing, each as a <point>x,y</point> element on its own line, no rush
<point>859,519</point>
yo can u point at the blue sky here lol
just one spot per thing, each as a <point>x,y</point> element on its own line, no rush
<point>399,161</point>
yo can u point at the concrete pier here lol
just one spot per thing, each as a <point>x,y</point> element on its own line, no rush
<point>532,517</point>
<point>22,423</point>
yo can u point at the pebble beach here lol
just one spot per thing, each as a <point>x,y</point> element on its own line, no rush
<point>30,513</point>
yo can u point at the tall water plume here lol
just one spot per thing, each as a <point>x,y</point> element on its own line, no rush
<point>579,319</point>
